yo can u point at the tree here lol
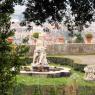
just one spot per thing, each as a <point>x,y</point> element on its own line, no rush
<point>9,53</point>
<point>82,11</point>
<point>40,11</point>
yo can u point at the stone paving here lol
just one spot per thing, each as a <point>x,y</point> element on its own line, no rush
<point>82,59</point>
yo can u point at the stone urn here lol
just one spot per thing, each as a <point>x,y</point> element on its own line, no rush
<point>89,73</point>
<point>10,39</point>
<point>89,37</point>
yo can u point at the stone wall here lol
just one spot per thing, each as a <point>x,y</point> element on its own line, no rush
<point>75,48</point>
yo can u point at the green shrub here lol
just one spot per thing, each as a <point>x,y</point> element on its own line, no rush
<point>79,38</point>
<point>67,61</point>
<point>35,35</point>
<point>61,61</point>
<point>78,67</point>
<point>26,60</point>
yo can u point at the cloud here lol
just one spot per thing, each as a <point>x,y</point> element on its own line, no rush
<point>18,14</point>
<point>19,9</point>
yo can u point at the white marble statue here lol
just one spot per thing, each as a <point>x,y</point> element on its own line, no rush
<point>39,58</point>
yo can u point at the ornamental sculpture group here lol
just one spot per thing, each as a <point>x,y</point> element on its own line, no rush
<point>40,63</point>
<point>89,72</point>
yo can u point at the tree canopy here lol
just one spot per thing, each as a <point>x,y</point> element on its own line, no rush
<point>9,56</point>
<point>40,11</point>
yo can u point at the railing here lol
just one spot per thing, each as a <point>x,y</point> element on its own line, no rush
<point>71,48</point>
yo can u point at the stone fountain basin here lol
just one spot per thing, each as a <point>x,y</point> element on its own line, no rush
<point>59,72</point>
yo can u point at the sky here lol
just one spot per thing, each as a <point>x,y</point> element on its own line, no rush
<point>18,14</point>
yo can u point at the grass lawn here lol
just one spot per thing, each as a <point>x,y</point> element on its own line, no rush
<point>76,75</point>
<point>29,85</point>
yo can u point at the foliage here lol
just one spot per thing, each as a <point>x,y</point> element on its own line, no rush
<point>25,40</point>
<point>10,66</point>
<point>83,11</point>
<point>22,50</point>
<point>74,13</point>
<point>42,9</point>
<point>22,23</point>
<point>61,61</point>
<point>35,35</point>
<point>30,85</point>
<point>89,35</point>
<point>7,75</point>
<point>9,56</point>
<point>68,62</point>
<point>54,86</point>
<point>6,6</point>
<point>29,27</point>
<point>79,38</point>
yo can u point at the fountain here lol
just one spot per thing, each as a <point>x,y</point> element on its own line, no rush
<point>40,66</point>
<point>40,63</point>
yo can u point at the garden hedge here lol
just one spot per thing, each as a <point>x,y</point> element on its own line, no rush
<point>61,61</point>
<point>68,62</point>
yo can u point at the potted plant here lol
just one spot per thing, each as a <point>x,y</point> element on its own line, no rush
<point>35,36</point>
<point>89,37</point>
<point>10,39</point>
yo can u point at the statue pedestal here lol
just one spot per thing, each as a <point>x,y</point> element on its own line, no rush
<point>40,68</point>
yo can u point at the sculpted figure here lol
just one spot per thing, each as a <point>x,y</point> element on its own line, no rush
<point>39,58</point>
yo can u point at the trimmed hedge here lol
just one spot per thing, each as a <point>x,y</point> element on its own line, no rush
<point>61,61</point>
<point>67,61</point>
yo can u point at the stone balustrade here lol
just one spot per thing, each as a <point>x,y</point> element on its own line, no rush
<point>71,48</point>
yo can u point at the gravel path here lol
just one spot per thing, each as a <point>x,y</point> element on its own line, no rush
<point>82,59</point>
